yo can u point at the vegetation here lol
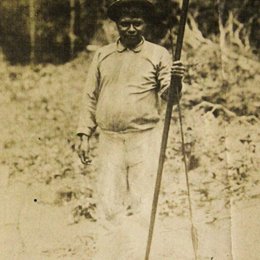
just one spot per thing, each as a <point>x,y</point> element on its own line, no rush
<point>220,103</point>
<point>54,30</point>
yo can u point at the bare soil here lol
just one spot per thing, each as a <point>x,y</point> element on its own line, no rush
<point>47,197</point>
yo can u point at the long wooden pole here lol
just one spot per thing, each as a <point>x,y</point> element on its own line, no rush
<point>72,36</point>
<point>173,92</point>
<point>32,29</point>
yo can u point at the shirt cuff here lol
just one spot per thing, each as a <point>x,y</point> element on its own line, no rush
<point>164,95</point>
<point>84,131</point>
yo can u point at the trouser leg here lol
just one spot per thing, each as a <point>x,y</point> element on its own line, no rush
<point>127,176</point>
<point>111,179</point>
<point>111,195</point>
<point>143,163</point>
<point>142,160</point>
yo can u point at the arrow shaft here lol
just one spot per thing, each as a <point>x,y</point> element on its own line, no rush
<point>175,84</point>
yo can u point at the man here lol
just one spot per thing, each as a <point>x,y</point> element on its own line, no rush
<point>125,83</point>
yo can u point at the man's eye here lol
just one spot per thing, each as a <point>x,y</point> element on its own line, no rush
<point>137,24</point>
<point>125,24</point>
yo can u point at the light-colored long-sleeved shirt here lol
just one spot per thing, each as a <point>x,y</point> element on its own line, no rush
<point>123,88</point>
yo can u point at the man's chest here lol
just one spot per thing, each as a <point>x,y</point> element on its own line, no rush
<point>129,68</point>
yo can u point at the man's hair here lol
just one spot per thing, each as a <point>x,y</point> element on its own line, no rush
<point>133,12</point>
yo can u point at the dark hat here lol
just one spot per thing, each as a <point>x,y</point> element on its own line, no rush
<point>114,11</point>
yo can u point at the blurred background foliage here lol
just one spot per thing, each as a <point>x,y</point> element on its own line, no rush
<point>40,104</point>
<point>65,27</point>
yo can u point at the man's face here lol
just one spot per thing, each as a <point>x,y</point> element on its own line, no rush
<point>131,30</point>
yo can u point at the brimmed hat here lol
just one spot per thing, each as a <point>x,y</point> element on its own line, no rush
<point>115,10</point>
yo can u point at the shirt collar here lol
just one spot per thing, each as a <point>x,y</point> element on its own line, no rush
<point>122,48</point>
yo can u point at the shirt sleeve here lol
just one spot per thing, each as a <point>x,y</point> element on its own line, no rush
<point>164,72</point>
<point>87,119</point>
<point>164,76</point>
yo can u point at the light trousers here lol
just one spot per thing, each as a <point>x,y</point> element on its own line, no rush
<point>125,186</point>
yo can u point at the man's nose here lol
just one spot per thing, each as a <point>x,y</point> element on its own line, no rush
<point>131,29</point>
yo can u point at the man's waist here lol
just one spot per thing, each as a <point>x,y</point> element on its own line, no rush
<point>132,128</point>
<point>131,134</point>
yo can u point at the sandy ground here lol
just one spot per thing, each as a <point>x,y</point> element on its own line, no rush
<point>32,227</point>
<point>35,124</point>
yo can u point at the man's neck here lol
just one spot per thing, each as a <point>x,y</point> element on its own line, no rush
<point>131,45</point>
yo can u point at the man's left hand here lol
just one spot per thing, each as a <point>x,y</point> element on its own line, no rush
<point>178,69</point>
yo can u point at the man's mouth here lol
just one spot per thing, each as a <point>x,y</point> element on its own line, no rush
<point>131,35</point>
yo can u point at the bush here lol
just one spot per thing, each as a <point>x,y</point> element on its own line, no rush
<point>52,29</point>
<point>14,33</point>
<point>53,24</point>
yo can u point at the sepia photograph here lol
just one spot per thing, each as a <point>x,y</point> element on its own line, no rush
<point>129,130</point>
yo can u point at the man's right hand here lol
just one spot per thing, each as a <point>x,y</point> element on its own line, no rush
<point>82,148</point>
